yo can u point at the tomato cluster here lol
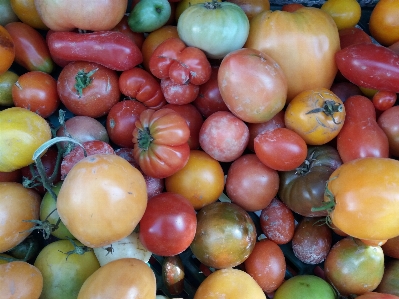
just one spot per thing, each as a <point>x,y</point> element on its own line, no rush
<point>235,149</point>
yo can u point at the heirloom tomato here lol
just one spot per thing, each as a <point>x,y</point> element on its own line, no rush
<point>363,198</point>
<point>280,34</point>
<point>252,85</point>
<point>7,50</point>
<point>22,132</point>
<point>317,115</point>
<point>345,13</point>
<point>87,208</point>
<point>160,142</point>
<point>384,24</point>
<point>353,35</point>
<point>123,26</point>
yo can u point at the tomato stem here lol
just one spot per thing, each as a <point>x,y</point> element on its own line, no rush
<point>82,80</point>
<point>329,108</point>
<point>212,5</point>
<point>81,250</point>
<point>144,139</point>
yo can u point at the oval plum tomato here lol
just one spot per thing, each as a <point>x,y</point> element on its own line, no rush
<point>37,92</point>
<point>142,86</point>
<point>383,24</point>
<point>120,279</point>
<point>21,280</point>
<point>88,89</point>
<point>161,142</point>
<point>266,264</point>
<point>366,187</point>
<point>27,13</point>
<point>224,283</point>
<point>19,205</point>
<point>317,115</point>
<point>250,183</point>
<point>252,85</point>
<point>7,50</point>
<point>281,149</point>
<point>224,136</point>
<point>88,213</point>
<point>383,100</point>
<point>277,222</point>
<point>345,13</point>
<point>389,123</point>
<point>168,225</point>
<point>121,120</point>
<point>353,267</point>
<point>225,236</point>
<point>201,180</point>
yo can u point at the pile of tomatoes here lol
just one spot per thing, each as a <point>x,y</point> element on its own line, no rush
<point>174,149</point>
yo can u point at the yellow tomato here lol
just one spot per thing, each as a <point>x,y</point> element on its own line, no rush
<point>27,13</point>
<point>201,180</point>
<point>384,22</point>
<point>345,13</point>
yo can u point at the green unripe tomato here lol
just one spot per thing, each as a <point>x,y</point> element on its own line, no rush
<point>7,80</point>
<point>149,15</point>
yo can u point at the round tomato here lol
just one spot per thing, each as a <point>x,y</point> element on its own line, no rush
<point>389,283</point>
<point>384,24</point>
<point>389,122</point>
<point>7,50</point>
<point>120,199</point>
<point>384,100</point>
<point>345,13</point>
<point>375,295</point>
<point>7,80</point>
<point>251,8</point>
<point>27,13</point>
<point>317,115</point>
<point>149,15</point>
<point>391,247</point>
<point>182,5</point>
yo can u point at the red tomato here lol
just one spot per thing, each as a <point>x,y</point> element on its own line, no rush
<point>88,89</point>
<point>384,100</point>
<point>281,149</point>
<point>352,36</point>
<point>123,26</point>
<point>179,94</point>
<point>168,225</point>
<point>291,7</point>
<point>224,136</point>
<point>37,92</point>
<point>389,122</point>
<point>13,176</point>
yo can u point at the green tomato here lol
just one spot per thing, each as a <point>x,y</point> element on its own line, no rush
<point>305,287</point>
<point>149,15</point>
<point>7,80</point>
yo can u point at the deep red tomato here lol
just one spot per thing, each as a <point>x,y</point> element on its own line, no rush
<point>391,247</point>
<point>168,225</point>
<point>384,100</point>
<point>123,26</point>
<point>37,92</point>
<point>345,89</point>
<point>281,149</point>
<point>13,176</point>
<point>177,93</point>
<point>377,295</point>
<point>352,36</point>
<point>88,89</point>
<point>389,283</point>
<point>121,120</point>
<point>389,122</point>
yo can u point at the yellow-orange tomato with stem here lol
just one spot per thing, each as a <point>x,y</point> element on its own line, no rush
<point>384,22</point>
<point>27,13</point>
<point>346,13</point>
<point>317,115</point>
<point>7,50</point>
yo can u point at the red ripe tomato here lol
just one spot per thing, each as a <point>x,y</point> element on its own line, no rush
<point>353,35</point>
<point>177,93</point>
<point>168,225</point>
<point>281,149</point>
<point>389,122</point>
<point>384,100</point>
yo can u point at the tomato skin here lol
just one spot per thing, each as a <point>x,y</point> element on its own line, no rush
<point>361,136</point>
<point>97,98</point>
<point>383,24</point>
<point>389,283</point>
<point>366,187</point>
<point>389,123</point>
<point>346,14</point>
<point>27,13</point>
<point>161,142</point>
<point>123,26</point>
<point>370,66</point>
<point>252,85</point>
<point>7,50</point>
<point>111,49</point>
<point>383,100</point>
<point>31,50</point>
<point>353,35</point>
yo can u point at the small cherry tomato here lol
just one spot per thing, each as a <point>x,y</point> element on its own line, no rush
<point>384,100</point>
<point>345,13</point>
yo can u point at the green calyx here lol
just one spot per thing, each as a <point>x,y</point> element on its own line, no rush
<point>144,139</point>
<point>82,80</point>
<point>329,108</point>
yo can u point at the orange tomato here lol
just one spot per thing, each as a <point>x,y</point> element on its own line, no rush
<point>252,7</point>
<point>182,5</point>
<point>7,50</point>
<point>27,13</point>
<point>345,13</point>
<point>201,181</point>
<point>20,280</point>
<point>317,115</point>
<point>384,22</point>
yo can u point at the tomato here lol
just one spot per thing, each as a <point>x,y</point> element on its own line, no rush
<point>229,283</point>
<point>353,35</point>
<point>345,89</point>
<point>252,85</point>
<point>27,13</point>
<point>22,132</point>
<point>383,24</point>
<point>281,149</point>
<point>395,47</point>
<point>280,34</point>
<point>250,183</point>
<point>168,225</point>
<point>7,80</point>
<point>224,27</point>
<point>291,7</point>
<point>390,282</point>
<point>85,15</point>
<point>160,142</point>
<point>37,92</point>
<point>225,236</point>
<point>20,280</point>
<point>266,264</point>
<point>173,274</point>
<point>64,272</point>
<point>123,26</point>
<point>13,176</point>
<point>88,213</point>
<point>87,88</point>
<point>7,13</point>
<point>305,286</point>
<point>201,180</point>
<point>251,8</point>
<point>346,14</point>
<point>354,268</point>
<point>375,295</point>
<point>121,120</point>
<point>140,85</point>
<point>277,222</point>
<point>18,204</point>
<point>389,123</point>
<point>224,136</point>
<point>365,198</point>
<point>178,94</point>
<point>391,247</point>
<point>317,115</point>
<point>361,136</point>
<point>369,65</point>
<point>149,15</point>
<point>7,50</point>
<point>383,100</point>
<point>303,188</point>
<point>31,51</point>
